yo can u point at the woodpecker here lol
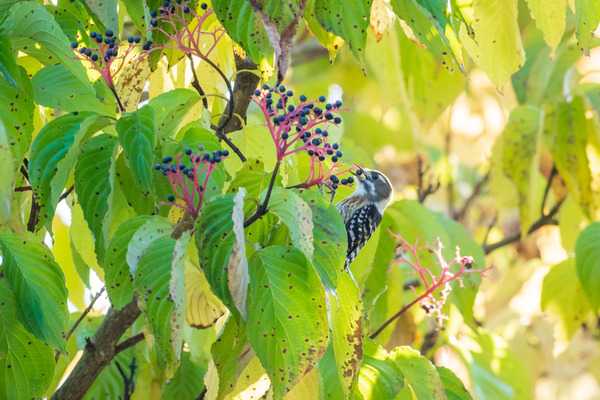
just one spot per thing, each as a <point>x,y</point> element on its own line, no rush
<point>362,210</point>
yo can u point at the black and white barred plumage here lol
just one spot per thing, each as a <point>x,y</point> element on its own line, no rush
<point>362,211</point>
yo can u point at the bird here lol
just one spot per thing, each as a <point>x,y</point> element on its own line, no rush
<point>363,210</point>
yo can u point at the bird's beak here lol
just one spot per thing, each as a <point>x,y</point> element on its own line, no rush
<point>359,173</point>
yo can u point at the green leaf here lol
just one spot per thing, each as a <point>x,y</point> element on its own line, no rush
<point>171,108</point>
<point>498,50</point>
<point>348,20</point>
<point>567,138</point>
<point>550,18</point>
<point>419,373</point>
<point>35,32</point>
<point>215,242</point>
<point>256,141</point>
<point>563,296</point>
<point>138,11</point>
<point>186,383</point>
<point>521,156</point>
<point>8,63</point>
<point>118,278</point>
<point>330,379</point>
<point>297,215</point>
<point>237,268</point>
<point>151,283</point>
<point>27,364</point>
<point>53,153</point>
<point>455,389</point>
<point>429,28</point>
<point>132,193</point>
<point>329,235</point>
<point>327,39</point>
<point>7,178</point>
<point>57,87</point>
<point>94,181</point>
<point>346,330</point>
<point>587,16</point>
<point>106,12</point>
<point>137,137</point>
<point>17,115</point>
<point>72,22</point>
<point>287,321</point>
<point>144,238</point>
<point>379,377</point>
<point>231,354</point>
<point>39,287</point>
<point>244,26</point>
<point>587,258</point>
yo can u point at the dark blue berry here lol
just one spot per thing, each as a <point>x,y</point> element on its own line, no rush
<point>334,179</point>
<point>265,87</point>
<point>311,153</point>
<point>186,9</point>
<point>291,108</point>
<point>167,159</point>
<point>318,111</point>
<point>216,159</point>
<point>282,88</point>
<point>334,159</point>
<point>316,141</point>
<point>93,34</point>
<point>181,166</point>
<point>171,197</point>
<point>325,133</point>
<point>339,153</point>
<point>190,174</point>
<point>74,45</point>
<point>335,146</point>
<point>303,121</point>
<point>206,155</point>
<point>329,151</point>
<point>338,103</point>
<point>334,186</point>
<point>307,134</point>
<point>106,40</point>
<point>302,97</point>
<point>185,171</point>
<point>200,147</point>
<point>225,153</point>
<point>318,130</point>
<point>203,6</point>
<point>130,39</point>
<point>344,181</point>
<point>329,116</point>
<point>109,53</point>
<point>87,52</point>
<point>257,92</point>
<point>328,106</point>
<point>157,167</point>
<point>289,93</point>
<point>322,99</point>
<point>154,23</point>
<point>188,151</point>
<point>337,120</point>
<point>359,171</point>
<point>146,47</point>
<point>284,135</point>
<point>350,179</point>
<point>321,158</point>
<point>94,57</point>
<point>98,39</point>
<point>153,14</point>
<point>166,3</point>
<point>109,33</point>
<point>173,168</point>
<point>137,39</point>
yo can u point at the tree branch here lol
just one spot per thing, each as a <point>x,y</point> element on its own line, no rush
<point>262,210</point>
<point>423,190</point>
<point>81,317</point>
<point>130,342</point>
<point>544,220</point>
<point>99,352</point>
<point>460,214</point>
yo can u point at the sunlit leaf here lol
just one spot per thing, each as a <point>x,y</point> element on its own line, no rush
<point>27,364</point>
<point>587,14</point>
<point>587,257</point>
<point>419,373</point>
<point>455,389</point>
<point>379,377</point>
<point>38,285</point>
<point>550,19</point>
<point>287,321</point>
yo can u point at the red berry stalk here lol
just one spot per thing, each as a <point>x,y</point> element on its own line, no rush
<point>189,182</point>
<point>303,128</point>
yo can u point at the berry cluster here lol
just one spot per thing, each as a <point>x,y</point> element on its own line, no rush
<point>185,179</point>
<point>170,20</point>
<point>303,127</point>
<point>107,51</point>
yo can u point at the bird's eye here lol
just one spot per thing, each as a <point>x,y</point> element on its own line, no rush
<point>375,177</point>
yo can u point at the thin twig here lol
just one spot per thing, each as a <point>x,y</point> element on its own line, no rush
<point>81,317</point>
<point>112,89</point>
<point>460,214</point>
<point>423,191</point>
<point>128,382</point>
<point>23,188</point>
<point>221,135</point>
<point>129,342</point>
<point>196,82</point>
<point>262,210</point>
<point>66,194</point>
<point>553,173</point>
<point>544,220</point>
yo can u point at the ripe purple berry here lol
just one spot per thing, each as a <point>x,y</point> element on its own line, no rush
<point>284,135</point>
<point>322,99</point>
<point>153,14</point>
<point>137,39</point>
<point>108,33</point>
<point>257,92</point>
<point>337,120</point>
<point>167,159</point>
<point>203,6</point>
<point>350,179</point>
<point>334,159</point>
<point>130,39</point>
<point>188,151</point>
<point>339,153</point>
<point>94,57</point>
<point>171,197</point>
<point>186,9</point>
<point>74,45</point>
<point>157,167</point>
<point>302,97</point>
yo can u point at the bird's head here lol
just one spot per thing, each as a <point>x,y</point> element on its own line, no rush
<point>374,186</point>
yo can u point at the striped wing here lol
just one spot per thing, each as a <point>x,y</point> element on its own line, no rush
<point>359,229</point>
